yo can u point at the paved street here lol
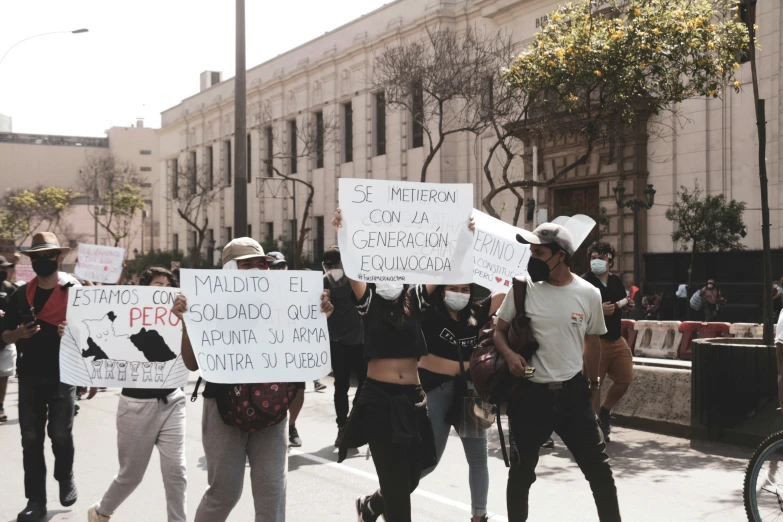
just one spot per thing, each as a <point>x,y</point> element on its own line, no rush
<point>659,478</point>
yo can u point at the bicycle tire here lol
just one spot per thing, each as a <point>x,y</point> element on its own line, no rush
<point>751,474</point>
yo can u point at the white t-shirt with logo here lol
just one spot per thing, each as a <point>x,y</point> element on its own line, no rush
<point>560,317</point>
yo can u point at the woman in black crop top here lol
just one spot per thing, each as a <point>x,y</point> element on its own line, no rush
<point>451,322</point>
<point>391,412</point>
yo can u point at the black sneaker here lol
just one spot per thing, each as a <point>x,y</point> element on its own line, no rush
<point>68,493</point>
<point>34,512</point>
<point>604,422</point>
<point>549,444</point>
<point>293,437</point>
<point>3,416</point>
<point>363,510</point>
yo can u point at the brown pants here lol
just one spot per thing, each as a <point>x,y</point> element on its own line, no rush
<point>616,361</point>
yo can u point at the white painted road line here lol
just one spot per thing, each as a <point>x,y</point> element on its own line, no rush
<point>373,478</point>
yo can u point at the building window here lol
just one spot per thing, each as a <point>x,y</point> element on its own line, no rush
<point>208,166</point>
<point>249,230</point>
<point>270,145</point>
<point>227,160</point>
<point>174,170</point>
<point>145,169</point>
<point>229,234</point>
<point>175,242</point>
<point>145,152</point>
<point>380,124</point>
<point>269,235</point>
<point>210,241</point>
<point>347,132</point>
<point>319,140</point>
<point>318,240</point>
<point>192,179</point>
<point>291,229</point>
<point>249,158</point>
<point>417,133</point>
<point>748,18</point>
<point>292,145</point>
<point>191,240</point>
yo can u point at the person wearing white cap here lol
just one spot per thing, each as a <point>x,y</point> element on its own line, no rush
<point>227,446</point>
<point>566,319</point>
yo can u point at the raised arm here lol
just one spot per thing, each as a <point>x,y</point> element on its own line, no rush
<point>188,356</point>
<point>358,287</point>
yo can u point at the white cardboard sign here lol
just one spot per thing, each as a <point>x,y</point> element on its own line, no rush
<point>122,336</point>
<point>100,264</point>
<point>497,255</point>
<point>252,326</point>
<point>407,232</point>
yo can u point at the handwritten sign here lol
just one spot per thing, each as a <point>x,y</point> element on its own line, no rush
<point>257,326</point>
<point>497,255</point>
<point>123,336</point>
<point>406,232</point>
<point>24,273</point>
<point>100,264</point>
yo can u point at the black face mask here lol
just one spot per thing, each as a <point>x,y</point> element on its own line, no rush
<point>3,276</point>
<point>44,267</point>
<point>538,269</point>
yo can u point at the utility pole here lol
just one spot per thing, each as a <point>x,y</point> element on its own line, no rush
<point>240,129</point>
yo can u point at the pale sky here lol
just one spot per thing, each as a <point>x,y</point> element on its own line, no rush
<point>139,57</point>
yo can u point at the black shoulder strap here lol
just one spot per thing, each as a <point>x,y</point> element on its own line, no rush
<point>195,391</point>
<point>520,295</point>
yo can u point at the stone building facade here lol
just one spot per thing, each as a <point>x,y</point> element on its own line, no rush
<point>330,75</point>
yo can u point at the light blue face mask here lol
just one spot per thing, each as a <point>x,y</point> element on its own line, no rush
<point>598,266</point>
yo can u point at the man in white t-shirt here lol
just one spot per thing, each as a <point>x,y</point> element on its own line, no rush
<point>566,319</point>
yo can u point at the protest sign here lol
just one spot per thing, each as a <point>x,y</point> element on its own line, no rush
<point>497,255</point>
<point>250,326</point>
<point>406,232</point>
<point>24,273</point>
<point>123,336</point>
<point>100,264</point>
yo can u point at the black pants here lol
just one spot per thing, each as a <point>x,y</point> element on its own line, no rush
<point>346,359</point>
<point>534,412</point>
<point>39,398</point>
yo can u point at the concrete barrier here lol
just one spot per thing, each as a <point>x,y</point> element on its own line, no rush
<point>746,330</point>
<point>658,339</point>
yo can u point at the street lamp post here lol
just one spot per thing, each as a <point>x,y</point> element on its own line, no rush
<point>635,205</point>
<point>76,31</point>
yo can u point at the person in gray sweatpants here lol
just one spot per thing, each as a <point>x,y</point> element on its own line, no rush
<point>149,418</point>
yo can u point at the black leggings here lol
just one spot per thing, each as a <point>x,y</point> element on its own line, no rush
<point>398,465</point>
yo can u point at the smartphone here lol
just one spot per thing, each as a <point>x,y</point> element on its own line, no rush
<point>27,319</point>
<point>529,371</point>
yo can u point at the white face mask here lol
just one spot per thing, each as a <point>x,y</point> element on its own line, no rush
<point>598,266</point>
<point>389,291</point>
<point>456,301</point>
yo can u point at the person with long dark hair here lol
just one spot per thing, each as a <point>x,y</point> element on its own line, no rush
<point>451,322</point>
<point>391,412</point>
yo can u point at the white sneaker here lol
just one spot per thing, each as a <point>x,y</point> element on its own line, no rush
<point>94,516</point>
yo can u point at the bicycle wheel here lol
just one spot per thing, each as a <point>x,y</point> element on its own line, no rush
<point>763,491</point>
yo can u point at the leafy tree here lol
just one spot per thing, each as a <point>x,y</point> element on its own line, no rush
<point>706,224</point>
<point>26,211</point>
<point>602,76</point>
<point>114,187</point>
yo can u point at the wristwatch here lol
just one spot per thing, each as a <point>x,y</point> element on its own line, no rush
<point>596,383</point>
